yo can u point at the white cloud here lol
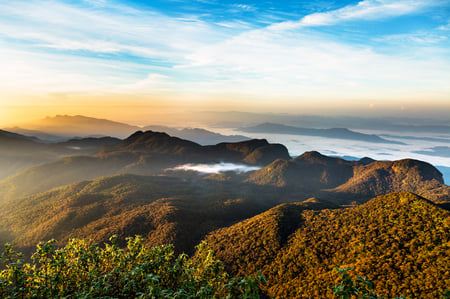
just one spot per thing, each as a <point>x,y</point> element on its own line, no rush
<point>308,64</point>
<point>197,57</point>
<point>364,10</point>
<point>215,168</point>
<point>115,29</point>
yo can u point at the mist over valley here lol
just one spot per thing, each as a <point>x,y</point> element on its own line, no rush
<point>170,189</point>
<point>224,149</point>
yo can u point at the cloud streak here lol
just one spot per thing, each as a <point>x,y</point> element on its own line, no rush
<point>103,47</point>
<point>364,10</point>
<point>214,168</point>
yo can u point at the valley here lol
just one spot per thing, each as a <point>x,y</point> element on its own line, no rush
<point>294,219</point>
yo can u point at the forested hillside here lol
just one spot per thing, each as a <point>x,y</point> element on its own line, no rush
<point>400,241</point>
<point>290,219</point>
<point>164,209</point>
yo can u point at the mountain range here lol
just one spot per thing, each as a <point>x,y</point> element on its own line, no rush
<point>67,126</point>
<point>141,153</point>
<point>200,136</point>
<point>295,219</point>
<point>64,127</point>
<point>236,119</point>
<point>337,133</point>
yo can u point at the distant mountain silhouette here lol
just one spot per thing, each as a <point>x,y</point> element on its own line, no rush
<point>78,125</point>
<point>201,136</point>
<point>391,239</point>
<point>393,125</point>
<point>338,133</point>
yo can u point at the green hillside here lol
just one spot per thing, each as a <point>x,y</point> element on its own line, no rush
<point>400,241</point>
<point>164,209</point>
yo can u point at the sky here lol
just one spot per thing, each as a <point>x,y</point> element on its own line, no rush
<point>129,60</point>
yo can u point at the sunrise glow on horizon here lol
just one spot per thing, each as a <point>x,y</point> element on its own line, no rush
<point>285,56</point>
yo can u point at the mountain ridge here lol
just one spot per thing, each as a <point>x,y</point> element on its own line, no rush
<point>338,133</point>
<point>141,153</point>
<point>79,125</point>
<point>340,180</point>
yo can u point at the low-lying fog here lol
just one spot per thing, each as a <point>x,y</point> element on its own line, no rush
<point>215,168</point>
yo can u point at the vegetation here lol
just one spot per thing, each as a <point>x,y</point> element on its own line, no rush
<point>83,269</point>
<point>165,210</point>
<point>399,241</point>
<point>352,181</point>
<point>382,177</point>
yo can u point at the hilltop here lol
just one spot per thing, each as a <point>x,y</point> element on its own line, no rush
<point>201,136</point>
<point>399,241</point>
<point>339,180</point>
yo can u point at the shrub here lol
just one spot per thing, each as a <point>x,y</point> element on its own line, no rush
<point>83,269</point>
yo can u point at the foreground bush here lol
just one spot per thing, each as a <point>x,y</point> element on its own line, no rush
<point>83,269</point>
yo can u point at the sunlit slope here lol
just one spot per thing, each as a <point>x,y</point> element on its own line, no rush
<point>400,241</point>
<point>353,181</point>
<point>382,177</point>
<point>311,171</point>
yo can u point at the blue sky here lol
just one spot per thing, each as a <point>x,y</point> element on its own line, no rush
<point>285,56</point>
